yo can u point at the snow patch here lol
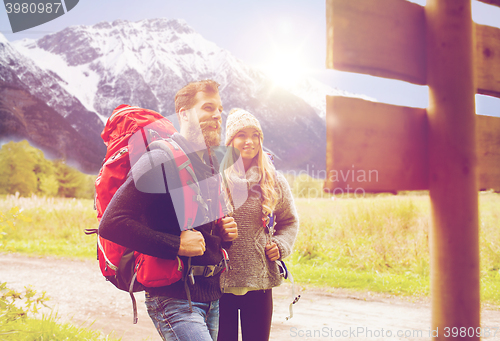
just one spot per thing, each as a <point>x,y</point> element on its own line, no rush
<point>80,80</point>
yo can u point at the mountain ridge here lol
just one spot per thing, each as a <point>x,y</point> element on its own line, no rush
<point>145,63</point>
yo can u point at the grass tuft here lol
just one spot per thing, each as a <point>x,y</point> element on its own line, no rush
<point>47,328</point>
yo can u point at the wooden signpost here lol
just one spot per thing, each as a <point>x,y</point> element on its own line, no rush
<point>446,148</point>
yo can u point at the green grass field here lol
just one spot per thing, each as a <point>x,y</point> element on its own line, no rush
<point>380,244</point>
<point>377,244</point>
<point>51,226</point>
<point>47,328</point>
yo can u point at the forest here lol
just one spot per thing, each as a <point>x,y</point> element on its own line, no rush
<point>25,170</point>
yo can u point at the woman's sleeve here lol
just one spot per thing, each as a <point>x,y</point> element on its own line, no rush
<point>124,222</point>
<point>287,220</point>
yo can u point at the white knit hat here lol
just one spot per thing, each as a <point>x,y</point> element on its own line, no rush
<point>239,119</point>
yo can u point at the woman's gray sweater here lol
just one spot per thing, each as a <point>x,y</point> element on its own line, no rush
<point>248,265</point>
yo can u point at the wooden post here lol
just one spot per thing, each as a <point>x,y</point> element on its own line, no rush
<point>440,46</point>
<point>454,237</point>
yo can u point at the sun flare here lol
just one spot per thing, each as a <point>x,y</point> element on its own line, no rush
<point>285,68</point>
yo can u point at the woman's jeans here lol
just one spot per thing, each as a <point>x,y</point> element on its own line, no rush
<point>174,321</point>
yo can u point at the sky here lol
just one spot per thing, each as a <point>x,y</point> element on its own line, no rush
<point>286,38</point>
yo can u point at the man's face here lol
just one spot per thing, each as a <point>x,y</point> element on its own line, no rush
<point>208,109</point>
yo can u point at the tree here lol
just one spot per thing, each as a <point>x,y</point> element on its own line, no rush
<point>70,180</point>
<point>25,169</point>
<point>48,185</point>
<point>17,164</point>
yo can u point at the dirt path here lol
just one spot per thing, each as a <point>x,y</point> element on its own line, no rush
<point>81,295</point>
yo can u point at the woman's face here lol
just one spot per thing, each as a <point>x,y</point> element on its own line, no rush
<point>247,141</point>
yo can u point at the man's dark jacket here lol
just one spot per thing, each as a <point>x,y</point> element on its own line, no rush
<point>146,222</point>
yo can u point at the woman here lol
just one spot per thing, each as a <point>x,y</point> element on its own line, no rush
<point>255,190</point>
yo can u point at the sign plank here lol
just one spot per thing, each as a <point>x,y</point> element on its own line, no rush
<point>384,38</point>
<point>492,2</point>
<point>488,151</point>
<point>487,60</point>
<point>377,147</point>
<point>370,37</point>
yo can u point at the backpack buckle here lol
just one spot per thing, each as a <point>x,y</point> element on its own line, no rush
<point>209,270</point>
<point>282,269</point>
<point>190,276</point>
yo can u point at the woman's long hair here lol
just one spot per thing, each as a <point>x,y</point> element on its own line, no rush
<point>232,165</point>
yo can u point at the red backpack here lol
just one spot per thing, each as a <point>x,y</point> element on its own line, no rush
<point>128,134</point>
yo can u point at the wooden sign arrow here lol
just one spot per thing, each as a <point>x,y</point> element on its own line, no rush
<point>491,2</point>
<point>377,147</point>
<point>386,38</point>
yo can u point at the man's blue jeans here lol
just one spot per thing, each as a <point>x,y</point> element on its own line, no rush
<point>174,321</point>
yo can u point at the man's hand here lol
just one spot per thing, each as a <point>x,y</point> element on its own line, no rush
<point>192,244</point>
<point>229,229</point>
<point>272,251</point>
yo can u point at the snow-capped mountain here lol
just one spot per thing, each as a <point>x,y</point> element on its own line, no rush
<point>34,106</point>
<point>145,63</point>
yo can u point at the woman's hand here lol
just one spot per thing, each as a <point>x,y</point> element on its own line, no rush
<point>272,251</point>
<point>229,229</point>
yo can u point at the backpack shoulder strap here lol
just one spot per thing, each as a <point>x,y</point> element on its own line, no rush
<point>188,180</point>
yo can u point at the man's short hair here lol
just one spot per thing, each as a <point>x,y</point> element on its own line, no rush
<point>185,96</point>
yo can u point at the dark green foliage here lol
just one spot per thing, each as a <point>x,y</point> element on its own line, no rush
<point>17,165</point>
<point>24,169</point>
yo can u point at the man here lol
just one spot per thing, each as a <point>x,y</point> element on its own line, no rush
<point>144,219</point>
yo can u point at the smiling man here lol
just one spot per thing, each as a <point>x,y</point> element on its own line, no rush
<point>199,107</point>
<point>146,220</point>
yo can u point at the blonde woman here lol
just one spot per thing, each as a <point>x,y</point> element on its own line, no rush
<point>254,190</point>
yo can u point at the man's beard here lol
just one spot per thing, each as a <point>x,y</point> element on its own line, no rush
<point>205,138</point>
<point>212,137</point>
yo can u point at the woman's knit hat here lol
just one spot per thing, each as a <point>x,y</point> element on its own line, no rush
<point>239,119</point>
